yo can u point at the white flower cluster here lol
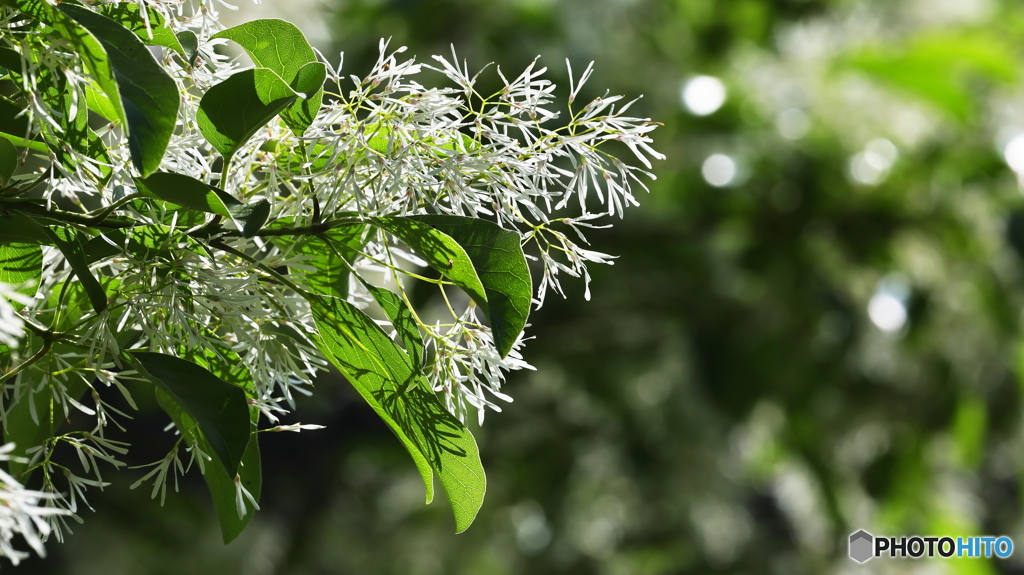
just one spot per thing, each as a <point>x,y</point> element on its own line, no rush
<point>382,145</point>
<point>21,514</point>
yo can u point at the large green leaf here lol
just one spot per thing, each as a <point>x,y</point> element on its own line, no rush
<point>21,264</point>
<point>386,378</point>
<point>310,83</point>
<point>231,112</point>
<point>221,485</point>
<point>274,44</point>
<point>219,408</point>
<point>330,277</point>
<point>440,251</point>
<point>326,254</point>
<point>226,365</point>
<point>148,94</point>
<point>403,321</point>
<point>280,46</point>
<point>191,193</point>
<point>498,258</point>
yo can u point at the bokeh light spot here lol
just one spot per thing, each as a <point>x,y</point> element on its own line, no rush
<point>1014,153</point>
<point>703,95</point>
<point>887,312</point>
<point>719,170</point>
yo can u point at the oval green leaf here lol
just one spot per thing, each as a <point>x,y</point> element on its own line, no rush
<point>280,46</point>
<point>498,259</point>
<point>189,192</point>
<point>440,251</point>
<point>386,378</point>
<point>147,93</point>
<point>275,44</point>
<point>221,485</point>
<point>219,408</point>
<point>231,112</point>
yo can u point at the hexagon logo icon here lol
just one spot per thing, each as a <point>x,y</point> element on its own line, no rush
<point>861,544</point>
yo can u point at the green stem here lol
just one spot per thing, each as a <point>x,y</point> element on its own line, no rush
<point>310,230</point>
<point>71,217</point>
<point>224,173</point>
<point>39,355</point>
<point>101,214</point>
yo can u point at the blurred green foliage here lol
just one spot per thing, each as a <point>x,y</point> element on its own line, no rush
<point>725,403</point>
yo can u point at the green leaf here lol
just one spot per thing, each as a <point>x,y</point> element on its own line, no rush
<point>280,46</point>
<point>189,192</point>
<point>21,265</point>
<point>16,227</point>
<point>402,319</point>
<point>440,251</point>
<point>310,82</point>
<point>231,112</point>
<point>70,243</point>
<point>148,94</point>
<point>274,44</point>
<point>326,253</point>
<point>219,408</point>
<point>386,378</point>
<point>221,485</point>
<point>8,160</point>
<point>150,26</point>
<point>85,44</point>
<point>98,102</point>
<point>226,365</point>
<point>498,258</point>
<point>190,43</point>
